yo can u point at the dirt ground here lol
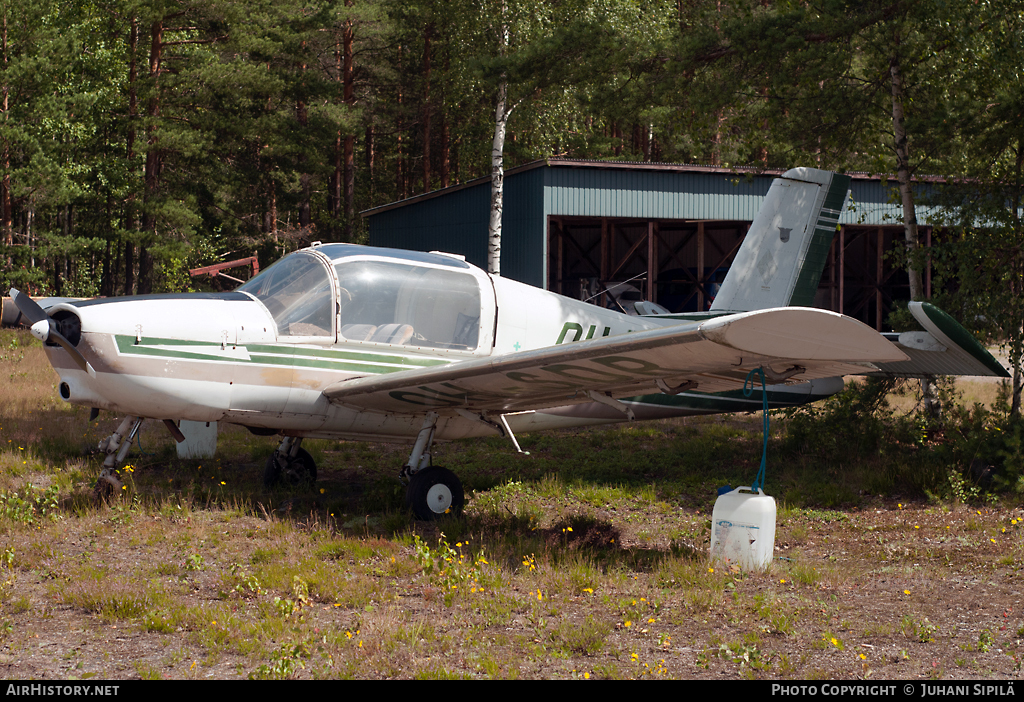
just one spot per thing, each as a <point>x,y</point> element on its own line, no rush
<point>887,591</point>
<point>560,573</point>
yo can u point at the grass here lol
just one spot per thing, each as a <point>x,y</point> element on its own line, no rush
<point>586,558</point>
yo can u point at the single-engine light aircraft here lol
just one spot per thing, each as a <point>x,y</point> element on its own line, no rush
<point>354,342</point>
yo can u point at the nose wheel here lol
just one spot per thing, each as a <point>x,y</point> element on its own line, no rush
<point>433,492</point>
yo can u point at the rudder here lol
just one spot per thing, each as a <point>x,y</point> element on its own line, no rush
<point>783,255</point>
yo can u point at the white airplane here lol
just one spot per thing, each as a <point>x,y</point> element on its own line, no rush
<point>343,341</point>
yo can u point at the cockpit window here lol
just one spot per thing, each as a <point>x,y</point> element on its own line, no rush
<point>297,291</point>
<point>397,303</point>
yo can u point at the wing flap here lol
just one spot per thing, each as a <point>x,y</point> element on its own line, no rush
<point>715,354</point>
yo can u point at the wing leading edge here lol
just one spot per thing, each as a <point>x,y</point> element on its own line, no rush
<point>710,356</point>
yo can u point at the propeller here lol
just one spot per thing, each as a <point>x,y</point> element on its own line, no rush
<point>46,329</point>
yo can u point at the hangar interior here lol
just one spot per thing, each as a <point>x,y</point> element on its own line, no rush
<point>687,260</point>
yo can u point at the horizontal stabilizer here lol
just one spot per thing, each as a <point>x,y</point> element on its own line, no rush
<point>946,348</point>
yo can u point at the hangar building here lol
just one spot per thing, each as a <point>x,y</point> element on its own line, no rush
<point>578,227</point>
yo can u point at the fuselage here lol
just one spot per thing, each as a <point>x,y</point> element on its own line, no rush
<point>262,355</point>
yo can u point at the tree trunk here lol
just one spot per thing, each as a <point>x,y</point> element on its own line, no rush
<point>350,139</point>
<point>399,128</point>
<point>5,182</point>
<point>305,211</point>
<point>501,113</point>
<point>302,115</point>
<point>370,147</point>
<point>445,149</point>
<point>153,161</point>
<point>445,130</point>
<point>273,210</point>
<point>334,193</point>
<point>106,284</point>
<point>902,148</point>
<point>426,107</point>
<point>129,268</point>
<point>131,222</point>
<point>1016,341</point>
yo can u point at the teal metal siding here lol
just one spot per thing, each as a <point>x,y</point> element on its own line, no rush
<point>598,192</point>
<point>456,220</point>
<point>524,250</point>
<point>457,223</point>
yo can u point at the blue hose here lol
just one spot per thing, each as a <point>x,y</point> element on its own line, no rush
<point>747,392</point>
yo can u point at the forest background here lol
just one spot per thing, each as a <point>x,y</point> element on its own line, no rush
<point>141,138</point>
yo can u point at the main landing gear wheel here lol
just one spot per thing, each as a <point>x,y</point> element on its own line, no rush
<point>295,472</point>
<point>433,492</point>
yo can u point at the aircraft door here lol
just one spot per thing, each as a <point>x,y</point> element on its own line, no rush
<point>401,304</point>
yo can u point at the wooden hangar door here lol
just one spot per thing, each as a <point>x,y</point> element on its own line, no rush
<point>687,260</point>
<point>863,280</point>
<point>677,263</point>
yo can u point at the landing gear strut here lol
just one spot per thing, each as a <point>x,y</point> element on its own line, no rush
<point>290,465</point>
<point>116,447</point>
<point>432,491</point>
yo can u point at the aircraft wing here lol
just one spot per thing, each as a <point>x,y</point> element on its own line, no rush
<point>715,354</point>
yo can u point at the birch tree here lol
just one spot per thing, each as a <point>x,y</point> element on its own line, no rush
<point>532,51</point>
<point>980,268</point>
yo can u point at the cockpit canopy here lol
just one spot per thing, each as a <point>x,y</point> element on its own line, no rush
<point>380,301</point>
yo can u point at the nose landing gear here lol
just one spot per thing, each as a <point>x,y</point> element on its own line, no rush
<point>433,492</point>
<point>116,447</point>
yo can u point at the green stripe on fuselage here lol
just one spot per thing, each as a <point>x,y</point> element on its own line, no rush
<point>279,355</point>
<point>346,355</point>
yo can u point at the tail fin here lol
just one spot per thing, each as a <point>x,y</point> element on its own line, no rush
<point>783,255</point>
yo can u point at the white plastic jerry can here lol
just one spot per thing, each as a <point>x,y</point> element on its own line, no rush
<point>743,529</point>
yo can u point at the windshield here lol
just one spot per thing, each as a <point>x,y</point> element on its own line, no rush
<point>297,292</point>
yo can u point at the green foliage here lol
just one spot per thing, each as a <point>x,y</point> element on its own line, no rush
<point>900,319</point>
<point>979,438</point>
<point>6,574</point>
<point>284,664</point>
<point>31,505</point>
<point>243,583</point>
<point>855,423</point>
<point>962,453</point>
<point>287,606</point>
<point>449,568</point>
<point>585,638</point>
<point>922,631</point>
